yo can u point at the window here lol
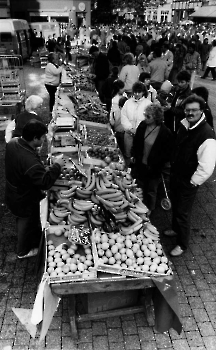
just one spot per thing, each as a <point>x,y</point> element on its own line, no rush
<point>22,35</point>
<point>6,37</point>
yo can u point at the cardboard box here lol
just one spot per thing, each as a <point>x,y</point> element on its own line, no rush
<point>98,302</point>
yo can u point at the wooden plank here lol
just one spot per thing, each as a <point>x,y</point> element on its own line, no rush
<point>101,285</point>
<point>72,316</point>
<point>110,313</point>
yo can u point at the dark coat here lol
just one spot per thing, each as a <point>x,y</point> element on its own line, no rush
<point>160,153</point>
<point>21,120</point>
<point>175,114</point>
<point>26,177</point>
<point>101,67</point>
<point>184,160</point>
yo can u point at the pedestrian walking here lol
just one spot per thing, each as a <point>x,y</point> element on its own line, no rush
<point>211,63</point>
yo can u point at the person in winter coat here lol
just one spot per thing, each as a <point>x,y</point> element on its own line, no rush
<point>174,111</point>
<point>143,63</point>
<point>167,55</point>
<point>52,77</point>
<point>129,73</point>
<point>178,58</point>
<point>115,113</point>
<point>203,92</point>
<point>158,69</point>
<point>192,63</point>
<point>107,88</point>
<point>132,114</point>
<point>164,95</point>
<point>100,69</point>
<point>145,79</point>
<point>204,52</point>
<point>211,63</point>
<point>192,163</point>
<point>152,147</point>
<point>26,179</point>
<point>32,107</point>
<point>114,54</point>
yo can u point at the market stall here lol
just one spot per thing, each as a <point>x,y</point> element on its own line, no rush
<point>98,237</point>
<point>12,87</point>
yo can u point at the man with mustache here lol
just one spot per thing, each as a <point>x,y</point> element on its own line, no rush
<point>193,162</point>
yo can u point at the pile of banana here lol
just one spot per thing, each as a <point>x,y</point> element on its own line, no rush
<point>113,191</point>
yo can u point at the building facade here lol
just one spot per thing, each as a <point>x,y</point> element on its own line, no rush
<point>158,14</point>
<point>182,10</point>
<point>76,11</point>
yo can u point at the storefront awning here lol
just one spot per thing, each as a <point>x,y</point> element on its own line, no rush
<point>205,11</point>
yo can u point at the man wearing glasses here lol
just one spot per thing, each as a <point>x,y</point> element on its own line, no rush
<point>193,162</point>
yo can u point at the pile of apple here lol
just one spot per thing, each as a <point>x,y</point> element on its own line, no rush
<point>70,173</point>
<point>134,252</point>
<point>70,261</point>
<point>104,153</point>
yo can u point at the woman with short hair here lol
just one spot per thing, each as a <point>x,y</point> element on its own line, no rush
<point>129,73</point>
<point>132,114</point>
<point>152,146</point>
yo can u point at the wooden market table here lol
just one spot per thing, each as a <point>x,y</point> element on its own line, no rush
<point>104,283</point>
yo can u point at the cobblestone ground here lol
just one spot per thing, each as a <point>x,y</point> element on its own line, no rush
<point>194,273</point>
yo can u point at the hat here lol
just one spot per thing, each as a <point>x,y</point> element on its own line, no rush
<point>166,86</point>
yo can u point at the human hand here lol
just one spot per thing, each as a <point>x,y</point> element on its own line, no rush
<point>60,160</point>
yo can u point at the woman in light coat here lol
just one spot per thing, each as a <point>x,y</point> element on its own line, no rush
<point>132,114</point>
<point>129,73</point>
<point>211,63</point>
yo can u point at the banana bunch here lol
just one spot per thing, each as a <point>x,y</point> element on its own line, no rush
<point>67,194</point>
<point>78,211</point>
<point>58,215</point>
<point>150,231</point>
<point>86,192</point>
<point>96,219</point>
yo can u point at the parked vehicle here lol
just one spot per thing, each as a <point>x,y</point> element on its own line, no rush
<point>15,37</point>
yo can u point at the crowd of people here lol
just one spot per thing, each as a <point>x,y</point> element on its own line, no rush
<point>161,124</point>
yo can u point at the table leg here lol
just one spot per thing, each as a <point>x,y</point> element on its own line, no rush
<point>146,300</point>
<point>72,315</point>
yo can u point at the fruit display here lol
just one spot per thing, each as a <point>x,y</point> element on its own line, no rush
<point>129,255</point>
<point>110,204</point>
<point>100,137</point>
<point>68,261</point>
<point>104,153</point>
<point>89,107</point>
<point>83,81</point>
<point>114,191</point>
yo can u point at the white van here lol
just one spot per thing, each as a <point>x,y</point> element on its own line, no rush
<point>47,28</point>
<point>15,37</point>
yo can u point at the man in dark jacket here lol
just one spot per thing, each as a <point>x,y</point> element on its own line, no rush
<point>192,164</point>
<point>100,69</point>
<point>26,178</point>
<point>174,111</point>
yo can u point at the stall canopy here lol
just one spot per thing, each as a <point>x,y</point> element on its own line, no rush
<point>205,11</point>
